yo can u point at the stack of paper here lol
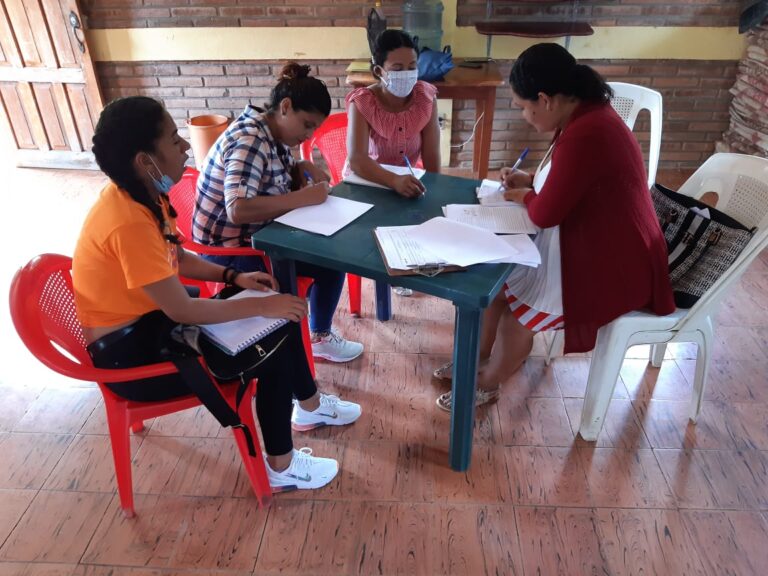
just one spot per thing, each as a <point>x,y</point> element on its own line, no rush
<point>442,242</point>
<point>497,219</point>
<point>326,218</point>
<point>527,252</point>
<point>402,251</point>
<point>359,66</point>
<point>352,178</point>
<point>490,193</point>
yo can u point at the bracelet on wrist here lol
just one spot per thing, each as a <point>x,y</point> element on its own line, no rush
<point>229,275</point>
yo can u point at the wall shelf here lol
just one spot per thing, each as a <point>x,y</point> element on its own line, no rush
<point>532,29</point>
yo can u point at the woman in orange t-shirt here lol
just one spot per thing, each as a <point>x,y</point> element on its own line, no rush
<point>129,296</point>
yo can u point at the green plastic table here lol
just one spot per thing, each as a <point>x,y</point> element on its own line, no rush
<point>353,249</point>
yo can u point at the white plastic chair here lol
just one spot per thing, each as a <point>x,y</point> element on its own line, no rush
<point>741,183</point>
<point>628,100</point>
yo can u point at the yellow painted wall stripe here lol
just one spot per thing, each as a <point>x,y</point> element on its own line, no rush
<point>277,44</point>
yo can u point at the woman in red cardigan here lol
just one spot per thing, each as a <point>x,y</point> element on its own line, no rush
<point>602,250</point>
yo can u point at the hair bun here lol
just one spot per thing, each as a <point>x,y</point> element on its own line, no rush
<point>294,71</point>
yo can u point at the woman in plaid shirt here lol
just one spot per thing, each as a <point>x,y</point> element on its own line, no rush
<point>250,177</point>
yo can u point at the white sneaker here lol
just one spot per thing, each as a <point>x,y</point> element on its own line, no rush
<point>332,412</point>
<point>332,346</point>
<point>306,472</point>
<point>401,291</point>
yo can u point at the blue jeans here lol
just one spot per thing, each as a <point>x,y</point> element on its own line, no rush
<point>324,293</point>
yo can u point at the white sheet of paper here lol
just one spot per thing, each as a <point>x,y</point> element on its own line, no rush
<point>497,219</point>
<point>401,250</point>
<point>459,243</point>
<point>488,194</point>
<point>527,252</point>
<point>326,218</point>
<point>353,178</point>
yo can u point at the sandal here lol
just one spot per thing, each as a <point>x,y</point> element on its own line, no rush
<point>445,401</point>
<point>445,372</point>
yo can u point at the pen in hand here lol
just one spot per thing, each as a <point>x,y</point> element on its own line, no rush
<point>410,169</point>
<point>516,165</point>
<point>308,178</point>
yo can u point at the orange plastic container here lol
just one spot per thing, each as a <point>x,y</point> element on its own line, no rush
<point>203,132</point>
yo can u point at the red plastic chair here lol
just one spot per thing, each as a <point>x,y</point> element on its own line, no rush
<point>43,312</point>
<point>183,199</point>
<point>331,140</point>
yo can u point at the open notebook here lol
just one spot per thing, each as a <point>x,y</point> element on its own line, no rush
<point>235,336</point>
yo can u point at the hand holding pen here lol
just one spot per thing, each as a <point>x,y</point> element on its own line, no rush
<point>314,193</point>
<point>513,177</point>
<point>409,185</point>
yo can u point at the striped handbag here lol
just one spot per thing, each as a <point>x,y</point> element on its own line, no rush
<point>702,242</point>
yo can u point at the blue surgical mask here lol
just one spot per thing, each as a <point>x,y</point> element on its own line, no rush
<point>165,183</point>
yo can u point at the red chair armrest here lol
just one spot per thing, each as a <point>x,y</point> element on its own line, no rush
<point>221,250</point>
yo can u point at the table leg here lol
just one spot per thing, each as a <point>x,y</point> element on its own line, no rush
<point>466,348</point>
<point>484,106</point>
<point>284,271</point>
<point>383,301</point>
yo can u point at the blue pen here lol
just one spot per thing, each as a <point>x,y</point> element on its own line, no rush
<point>309,180</point>
<point>410,169</point>
<point>516,165</point>
<point>519,161</point>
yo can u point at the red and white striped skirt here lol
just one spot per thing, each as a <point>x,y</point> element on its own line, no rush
<point>534,320</point>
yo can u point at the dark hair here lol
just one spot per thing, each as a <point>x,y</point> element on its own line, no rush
<point>551,69</point>
<point>305,92</point>
<point>126,127</point>
<point>388,41</point>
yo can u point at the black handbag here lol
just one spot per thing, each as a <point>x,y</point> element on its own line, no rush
<point>700,249</point>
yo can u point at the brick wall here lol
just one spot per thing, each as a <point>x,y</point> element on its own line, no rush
<point>609,12</point>
<point>695,94</point>
<point>186,13</point>
<point>696,102</point>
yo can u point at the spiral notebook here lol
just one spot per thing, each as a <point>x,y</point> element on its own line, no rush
<point>235,336</point>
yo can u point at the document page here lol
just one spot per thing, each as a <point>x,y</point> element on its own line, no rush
<point>352,178</point>
<point>460,244</point>
<point>326,218</point>
<point>497,219</point>
<point>401,251</point>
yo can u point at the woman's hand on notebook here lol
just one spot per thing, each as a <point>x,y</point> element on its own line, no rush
<point>408,186</point>
<point>285,306</point>
<point>256,281</point>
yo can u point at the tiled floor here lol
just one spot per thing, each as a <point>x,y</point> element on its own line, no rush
<point>654,495</point>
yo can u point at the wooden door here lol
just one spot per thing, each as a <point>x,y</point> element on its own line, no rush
<point>49,98</point>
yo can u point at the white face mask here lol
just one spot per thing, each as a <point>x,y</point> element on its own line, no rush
<point>401,82</point>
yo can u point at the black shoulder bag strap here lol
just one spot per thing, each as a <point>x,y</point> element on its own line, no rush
<point>200,384</point>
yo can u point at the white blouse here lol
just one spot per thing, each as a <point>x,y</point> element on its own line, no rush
<point>541,288</point>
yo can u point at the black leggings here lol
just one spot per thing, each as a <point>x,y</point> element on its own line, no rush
<point>282,376</point>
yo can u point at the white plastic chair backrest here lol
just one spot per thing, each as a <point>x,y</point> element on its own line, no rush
<point>628,100</point>
<point>741,182</point>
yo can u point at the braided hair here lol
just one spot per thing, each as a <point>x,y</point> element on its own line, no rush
<point>126,127</point>
<point>551,69</point>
